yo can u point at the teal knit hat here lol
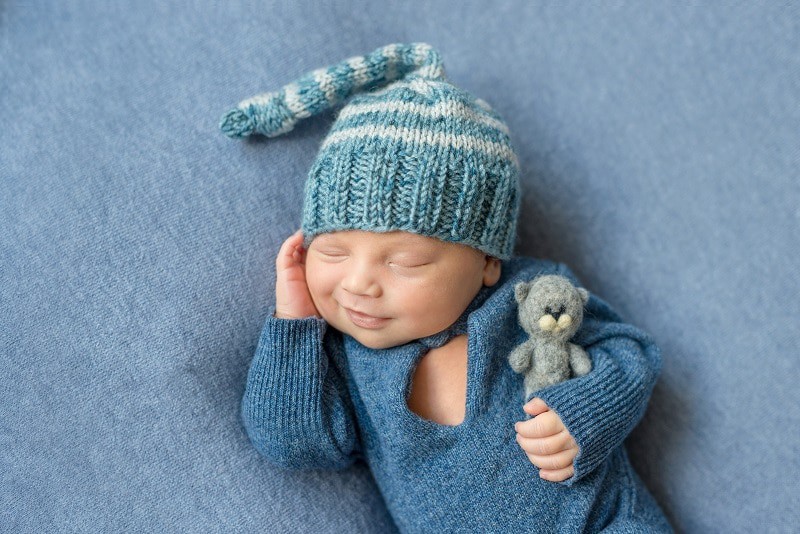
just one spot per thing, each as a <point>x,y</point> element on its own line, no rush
<point>409,151</point>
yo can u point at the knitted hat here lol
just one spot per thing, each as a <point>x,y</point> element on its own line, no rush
<point>409,151</point>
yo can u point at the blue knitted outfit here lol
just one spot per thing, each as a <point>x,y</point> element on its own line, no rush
<point>417,154</point>
<point>318,399</point>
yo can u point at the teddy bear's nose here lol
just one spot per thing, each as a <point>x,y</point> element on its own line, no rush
<point>555,313</point>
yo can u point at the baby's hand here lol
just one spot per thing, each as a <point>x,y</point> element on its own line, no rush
<point>292,299</point>
<point>546,441</point>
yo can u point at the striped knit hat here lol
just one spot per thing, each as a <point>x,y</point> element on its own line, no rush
<point>409,152</point>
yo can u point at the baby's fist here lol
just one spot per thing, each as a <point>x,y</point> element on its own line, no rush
<point>546,441</point>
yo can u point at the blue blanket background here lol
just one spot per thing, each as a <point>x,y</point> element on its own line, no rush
<point>659,146</point>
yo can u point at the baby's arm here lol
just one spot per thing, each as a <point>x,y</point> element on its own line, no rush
<point>601,408</point>
<point>296,407</point>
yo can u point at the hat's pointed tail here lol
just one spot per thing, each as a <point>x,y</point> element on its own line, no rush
<point>277,112</point>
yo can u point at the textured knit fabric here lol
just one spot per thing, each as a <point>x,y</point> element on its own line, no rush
<point>316,398</point>
<point>419,154</point>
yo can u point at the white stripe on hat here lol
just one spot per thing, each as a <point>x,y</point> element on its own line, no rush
<point>484,104</point>
<point>425,136</point>
<point>390,51</point>
<point>440,109</point>
<point>326,84</point>
<point>359,66</point>
<point>293,101</point>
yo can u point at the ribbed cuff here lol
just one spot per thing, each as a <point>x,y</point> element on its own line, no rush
<point>601,408</point>
<point>285,378</point>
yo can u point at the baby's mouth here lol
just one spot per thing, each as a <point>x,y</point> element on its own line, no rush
<point>365,321</point>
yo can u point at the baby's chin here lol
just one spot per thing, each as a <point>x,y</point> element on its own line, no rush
<point>376,340</point>
<point>373,339</point>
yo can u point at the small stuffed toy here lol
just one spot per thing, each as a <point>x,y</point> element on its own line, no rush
<point>550,311</point>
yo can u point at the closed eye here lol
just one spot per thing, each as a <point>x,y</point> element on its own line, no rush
<point>333,255</point>
<point>407,266</point>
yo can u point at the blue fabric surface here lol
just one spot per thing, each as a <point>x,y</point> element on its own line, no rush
<point>659,154</point>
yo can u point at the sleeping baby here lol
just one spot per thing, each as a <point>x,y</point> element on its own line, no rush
<point>395,314</point>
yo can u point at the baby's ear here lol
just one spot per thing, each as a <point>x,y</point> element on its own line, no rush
<point>584,295</point>
<point>521,291</point>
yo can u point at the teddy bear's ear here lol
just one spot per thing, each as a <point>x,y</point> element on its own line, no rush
<point>521,291</point>
<point>584,295</point>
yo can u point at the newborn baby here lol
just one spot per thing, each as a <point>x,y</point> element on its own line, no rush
<point>395,315</point>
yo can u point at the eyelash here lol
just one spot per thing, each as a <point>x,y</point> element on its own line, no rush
<point>407,266</point>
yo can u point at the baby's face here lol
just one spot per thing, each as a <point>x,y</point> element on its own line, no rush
<point>386,289</point>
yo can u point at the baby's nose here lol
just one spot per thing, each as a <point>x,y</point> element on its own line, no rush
<point>360,282</point>
<point>369,291</point>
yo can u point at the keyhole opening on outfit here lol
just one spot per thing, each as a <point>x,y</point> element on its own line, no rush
<point>439,385</point>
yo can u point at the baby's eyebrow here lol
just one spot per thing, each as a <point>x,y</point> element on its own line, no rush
<point>413,254</point>
<point>326,239</point>
<point>400,244</point>
<point>418,247</point>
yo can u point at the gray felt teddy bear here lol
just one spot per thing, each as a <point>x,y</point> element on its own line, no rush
<point>550,311</point>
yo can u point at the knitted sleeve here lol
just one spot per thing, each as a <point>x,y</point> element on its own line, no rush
<point>296,407</point>
<point>601,408</point>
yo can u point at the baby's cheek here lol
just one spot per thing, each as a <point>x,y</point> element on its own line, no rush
<point>432,306</point>
<point>320,284</point>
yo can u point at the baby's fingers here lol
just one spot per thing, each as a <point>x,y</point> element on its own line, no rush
<point>291,252</point>
<point>557,475</point>
<point>553,462</point>
<point>541,426</point>
<point>548,445</point>
<point>535,407</point>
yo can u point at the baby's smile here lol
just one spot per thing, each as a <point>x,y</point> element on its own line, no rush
<point>366,321</point>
